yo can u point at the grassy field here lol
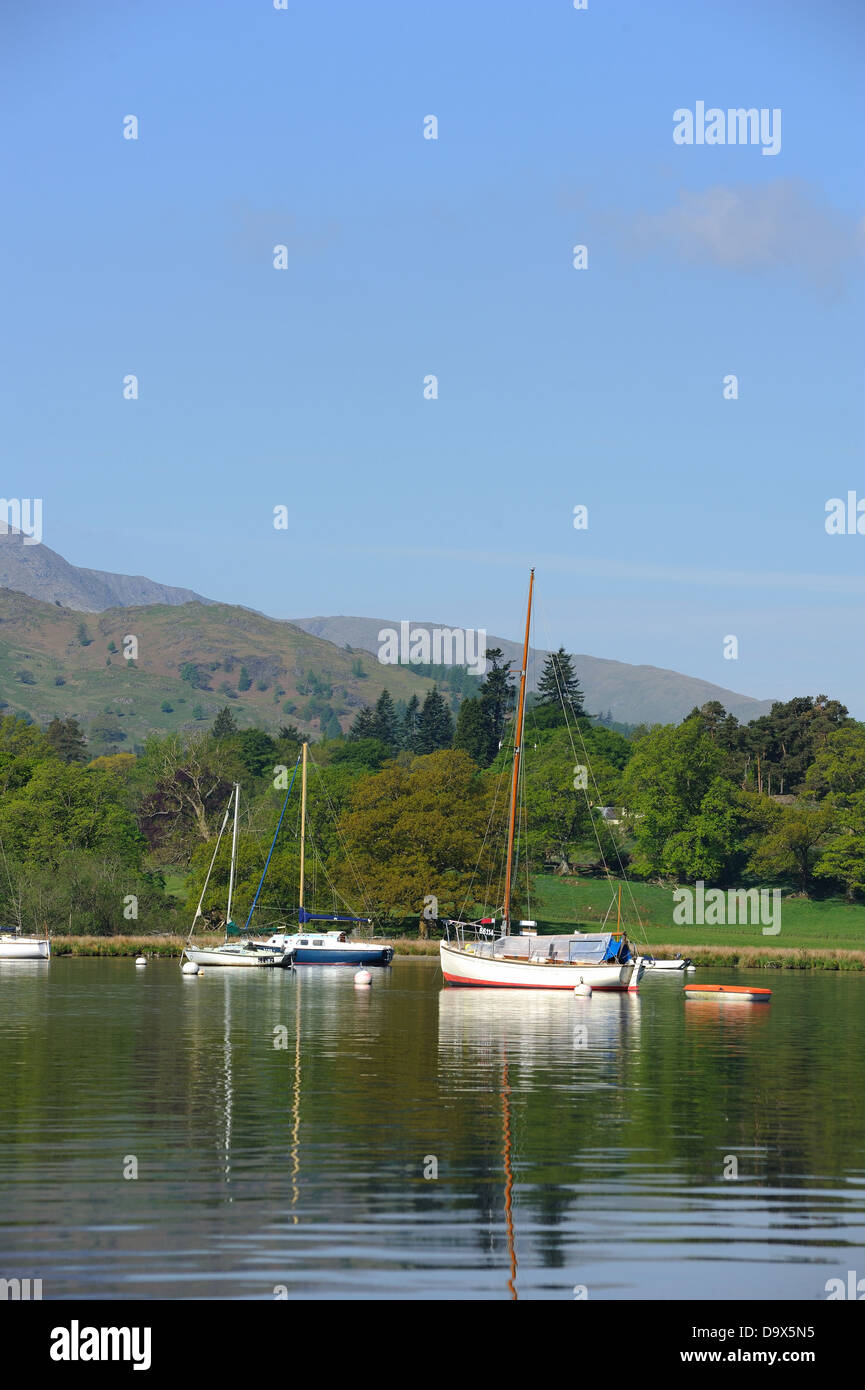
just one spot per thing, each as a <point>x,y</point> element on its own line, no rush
<point>828,926</point>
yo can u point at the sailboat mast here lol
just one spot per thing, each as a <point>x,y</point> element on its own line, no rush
<point>518,741</point>
<point>302,826</point>
<point>233,854</point>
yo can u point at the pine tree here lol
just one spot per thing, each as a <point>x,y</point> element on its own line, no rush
<point>363,726</point>
<point>224,724</point>
<point>66,738</point>
<point>331,727</point>
<point>408,728</point>
<point>559,685</point>
<point>384,719</point>
<point>497,693</point>
<point>473,733</point>
<point>436,725</point>
<point>243,680</point>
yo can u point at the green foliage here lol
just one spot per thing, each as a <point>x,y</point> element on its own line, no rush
<point>224,724</point>
<point>67,740</point>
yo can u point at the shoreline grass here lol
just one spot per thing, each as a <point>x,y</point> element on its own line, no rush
<point>746,957</point>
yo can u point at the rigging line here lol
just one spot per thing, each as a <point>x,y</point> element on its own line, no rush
<point>209,872</point>
<point>343,845</point>
<point>272,844</point>
<point>597,793</point>
<point>496,791</point>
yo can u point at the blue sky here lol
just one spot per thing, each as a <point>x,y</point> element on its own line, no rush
<point>408,256</point>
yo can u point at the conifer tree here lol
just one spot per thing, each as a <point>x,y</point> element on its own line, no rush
<point>363,726</point>
<point>473,733</point>
<point>408,730</point>
<point>384,723</point>
<point>224,724</point>
<point>559,685</point>
<point>66,738</point>
<point>497,693</point>
<point>436,725</point>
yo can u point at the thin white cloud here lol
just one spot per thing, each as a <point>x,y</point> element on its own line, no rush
<point>782,224</point>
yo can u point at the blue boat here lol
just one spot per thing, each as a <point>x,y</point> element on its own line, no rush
<point>319,947</point>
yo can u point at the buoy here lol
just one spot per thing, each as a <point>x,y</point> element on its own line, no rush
<point>583,990</point>
<point>189,967</point>
<point>140,960</point>
<point>363,977</point>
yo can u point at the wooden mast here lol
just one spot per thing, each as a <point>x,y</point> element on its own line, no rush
<point>302,826</point>
<point>518,740</point>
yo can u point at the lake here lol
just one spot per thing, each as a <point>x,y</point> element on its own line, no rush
<point>294,1136</point>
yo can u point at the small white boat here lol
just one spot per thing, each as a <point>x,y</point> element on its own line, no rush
<point>246,951</point>
<point>14,946</point>
<point>677,963</point>
<point>237,953</point>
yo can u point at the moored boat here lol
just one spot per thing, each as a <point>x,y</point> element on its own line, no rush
<point>729,994</point>
<point>15,946</point>
<point>317,945</point>
<point>471,954</point>
<point>678,963</point>
<point>246,951</point>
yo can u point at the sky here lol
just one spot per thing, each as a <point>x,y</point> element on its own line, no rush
<point>409,257</point>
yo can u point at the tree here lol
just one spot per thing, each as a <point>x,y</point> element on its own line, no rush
<point>843,859</point>
<point>473,733</point>
<point>420,830</point>
<point>558,685</point>
<point>166,707</point>
<point>436,725</point>
<point>408,729</point>
<point>791,840</point>
<point>384,725</point>
<point>256,751</point>
<point>364,724</point>
<point>244,680</point>
<point>67,740</point>
<point>224,724</point>
<point>83,635</point>
<point>664,784</point>
<point>497,694</point>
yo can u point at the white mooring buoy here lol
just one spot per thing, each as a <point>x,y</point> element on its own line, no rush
<point>363,978</point>
<point>140,960</point>
<point>583,990</point>
<point>189,967</point>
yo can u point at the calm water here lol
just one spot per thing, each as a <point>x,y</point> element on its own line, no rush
<point>562,1159</point>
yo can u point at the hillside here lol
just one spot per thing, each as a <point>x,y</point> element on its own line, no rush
<point>635,694</point>
<point>42,573</point>
<point>55,661</point>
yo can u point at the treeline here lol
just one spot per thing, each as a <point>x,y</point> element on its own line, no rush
<point>411,806</point>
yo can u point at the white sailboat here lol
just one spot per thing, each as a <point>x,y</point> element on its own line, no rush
<point>15,944</point>
<point>472,954</point>
<point>246,951</point>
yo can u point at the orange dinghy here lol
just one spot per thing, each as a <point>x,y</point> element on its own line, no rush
<point>743,994</point>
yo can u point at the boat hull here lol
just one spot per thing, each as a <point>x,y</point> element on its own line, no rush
<point>728,994</point>
<point>667,965</point>
<point>25,948</point>
<point>203,955</point>
<point>333,952</point>
<point>461,967</point>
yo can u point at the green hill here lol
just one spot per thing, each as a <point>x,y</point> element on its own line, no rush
<point>193,658</point>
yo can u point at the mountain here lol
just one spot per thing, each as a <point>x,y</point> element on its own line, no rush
<point>635,694</point>
<point>191,660</point>
<point>42,573</point>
